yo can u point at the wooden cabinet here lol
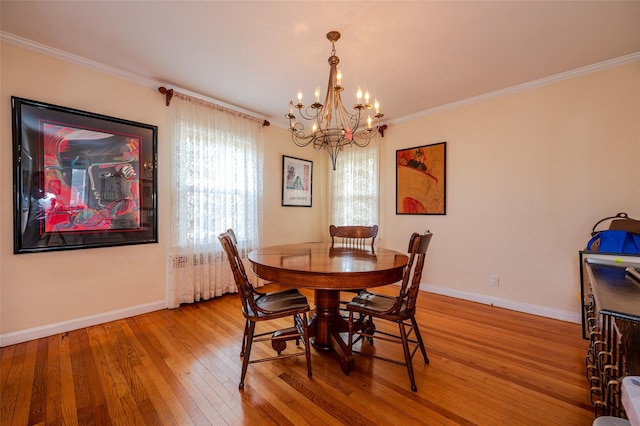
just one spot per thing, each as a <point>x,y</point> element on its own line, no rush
<point>611,323</point>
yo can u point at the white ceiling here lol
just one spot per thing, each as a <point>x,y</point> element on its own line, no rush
<point>411,55</point>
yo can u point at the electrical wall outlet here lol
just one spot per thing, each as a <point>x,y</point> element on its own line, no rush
<point>495,280</point>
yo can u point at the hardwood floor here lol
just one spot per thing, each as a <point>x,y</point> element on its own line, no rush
<point>488,366</point>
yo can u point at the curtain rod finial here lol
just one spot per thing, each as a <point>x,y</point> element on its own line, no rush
<point>167,92</point>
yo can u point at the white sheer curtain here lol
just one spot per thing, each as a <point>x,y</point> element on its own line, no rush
<point>353,186</point>
<point>217,184</point>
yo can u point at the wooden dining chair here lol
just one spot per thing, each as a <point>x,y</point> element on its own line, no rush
<point>233,237</point>
<point>400,309</point>
<point>356,236</point>
<point>353,235</point>
<point>259,306</point>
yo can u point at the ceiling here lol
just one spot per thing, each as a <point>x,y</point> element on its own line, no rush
<point>411,55</point>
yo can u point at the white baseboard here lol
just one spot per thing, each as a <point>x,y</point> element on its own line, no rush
<point>77,323</point>
<point>65,326</point>
<point>528,308</point>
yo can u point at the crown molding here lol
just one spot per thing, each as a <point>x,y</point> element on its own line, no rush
<point>633,57</point>
<point>98,66</point>
<point>69,57</point>
<point>60,54</point>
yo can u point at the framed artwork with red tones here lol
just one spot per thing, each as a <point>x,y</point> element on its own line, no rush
<point>421,180</point>
<point>81,180</point>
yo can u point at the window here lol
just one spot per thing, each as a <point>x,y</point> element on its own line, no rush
<point>217,184</point>
<point>353,186</point>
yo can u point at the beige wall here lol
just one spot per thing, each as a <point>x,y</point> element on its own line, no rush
<point>44,288</point>
<point>528,175</point>
<point>53,291</point>
<point>292,224</point>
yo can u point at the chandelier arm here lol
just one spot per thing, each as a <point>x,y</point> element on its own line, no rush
<point>349,121</point>
<point>352,119</point>
<point>311,112</point>
<point>363,137</point>
<point>341,117</point>
<point>299,137</point>
<point>333,153</point>
<point>325,118</point>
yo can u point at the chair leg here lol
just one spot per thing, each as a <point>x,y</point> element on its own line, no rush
<point>295,318</point>
<point>419,339</point>
<point>244,337</point>
<point>407,355</point>
<point>369,328</point>
<point>350,335</point>
<point>247,353</point>
<point>305,337</point>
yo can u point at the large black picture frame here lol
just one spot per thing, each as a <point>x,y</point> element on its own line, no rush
<point>80,179</point>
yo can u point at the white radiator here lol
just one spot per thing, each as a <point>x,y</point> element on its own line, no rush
<point>201,276</point>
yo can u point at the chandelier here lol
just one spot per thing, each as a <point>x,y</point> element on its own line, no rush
<point>332,126</point>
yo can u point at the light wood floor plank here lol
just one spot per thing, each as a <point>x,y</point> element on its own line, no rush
<point>25,386</point>
<point>167,407</point>
<point>37,410</point>
<point>54,386</point>
<point>12,384</point>
<point>6,357</point>
<point>120,402</point>
<point>143,329</point>
<point>97,412</point>
<point>67,389</point>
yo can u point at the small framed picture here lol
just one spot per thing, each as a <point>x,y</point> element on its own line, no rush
<point>297,179</point>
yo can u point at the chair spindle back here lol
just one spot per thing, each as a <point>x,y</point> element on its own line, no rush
<point>418,245</point>
<point>353,235</point>
<point>245,289</point>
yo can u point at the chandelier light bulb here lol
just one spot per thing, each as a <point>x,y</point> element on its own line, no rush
<point>376,106</point>
<point>317,94</point>
<point>299,96</point>
<point>339,78</point>
<point>359,95</point>
<point>366,97</point>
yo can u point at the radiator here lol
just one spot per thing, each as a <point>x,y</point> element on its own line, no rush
<point>201,276</point>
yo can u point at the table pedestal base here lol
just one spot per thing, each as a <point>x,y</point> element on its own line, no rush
<point>327,324</point>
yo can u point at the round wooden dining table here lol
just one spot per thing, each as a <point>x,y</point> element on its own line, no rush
<point>328,269</point>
